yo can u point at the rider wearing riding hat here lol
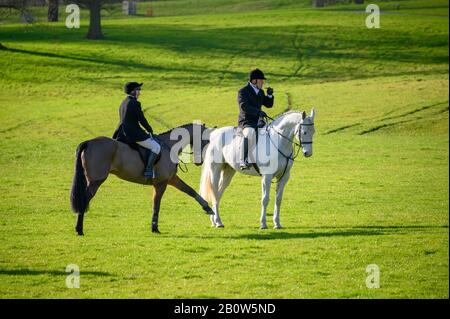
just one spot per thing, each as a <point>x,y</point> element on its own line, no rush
<point>250,99</point>
<point>129,130</point>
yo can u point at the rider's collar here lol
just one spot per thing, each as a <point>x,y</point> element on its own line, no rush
<point>132,96</point>
<point>255,88</point>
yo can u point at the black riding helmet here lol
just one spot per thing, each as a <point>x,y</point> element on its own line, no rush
<point>131,86</point>
<point>256,74</point>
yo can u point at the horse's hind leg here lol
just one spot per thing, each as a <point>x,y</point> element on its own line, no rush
<point>225,179</point>
<point>79,226</point>
<point>158,193</point>
<point>216,172</point>
<point>90,191</point>
<point>226,175</point>
<point>96,160</point>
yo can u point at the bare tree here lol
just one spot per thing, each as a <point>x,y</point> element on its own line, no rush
<point>318,3</point>
<point>53,6</point>
<point>95,7</point>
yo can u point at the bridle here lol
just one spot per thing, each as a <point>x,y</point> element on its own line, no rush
<point>300,133</point>
<point>299,145</point>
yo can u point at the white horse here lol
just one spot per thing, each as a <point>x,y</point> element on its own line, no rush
<point>274,158</point>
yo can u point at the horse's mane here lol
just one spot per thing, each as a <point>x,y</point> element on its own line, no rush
<point>170,130</point>
<point>284,114</point>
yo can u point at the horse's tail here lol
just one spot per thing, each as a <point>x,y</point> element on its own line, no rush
<point>79,199</point>
<point>206,190</point>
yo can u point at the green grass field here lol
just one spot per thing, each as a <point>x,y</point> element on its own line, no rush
<point>374,192</point>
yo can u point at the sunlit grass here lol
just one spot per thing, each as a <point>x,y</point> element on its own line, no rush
<point>375,191</point>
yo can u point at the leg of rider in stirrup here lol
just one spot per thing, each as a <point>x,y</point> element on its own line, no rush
<point>247,147</point>
<point>154,148</point>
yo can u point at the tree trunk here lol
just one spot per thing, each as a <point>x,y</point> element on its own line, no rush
<point>95,26</point>
<point>53,6</point>
<point>318,3</point>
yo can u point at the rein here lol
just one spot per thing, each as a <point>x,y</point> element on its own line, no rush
<point>183,168</point>
<point>299,145</point>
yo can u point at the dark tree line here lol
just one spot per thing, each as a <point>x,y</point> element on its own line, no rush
<point>94,7</point>
<point>323,3</point>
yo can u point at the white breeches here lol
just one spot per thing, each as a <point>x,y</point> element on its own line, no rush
<point>151,144</point>
<point>250,133</point>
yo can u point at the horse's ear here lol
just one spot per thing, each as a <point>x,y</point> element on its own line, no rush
<point>303,115</point>
<point>313,113</point>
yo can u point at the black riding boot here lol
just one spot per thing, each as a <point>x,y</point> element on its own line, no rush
<point>244,161</point>
<point>149,169</point>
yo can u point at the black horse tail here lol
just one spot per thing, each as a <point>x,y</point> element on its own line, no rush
<point>79,199</point>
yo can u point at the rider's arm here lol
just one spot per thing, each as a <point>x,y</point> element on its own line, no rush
<point>268,101</point>
<point>142,120</point>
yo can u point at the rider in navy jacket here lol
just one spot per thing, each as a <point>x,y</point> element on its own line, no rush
<point>251,98</point>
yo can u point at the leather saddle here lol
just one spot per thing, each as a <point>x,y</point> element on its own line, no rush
<point>143,152</point>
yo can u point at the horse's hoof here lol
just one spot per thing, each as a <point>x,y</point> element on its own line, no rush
<point>220,226</point>
<point>156,230</point>
<point>80,233</point>
<point>264,227</point>
<point>277,227</point>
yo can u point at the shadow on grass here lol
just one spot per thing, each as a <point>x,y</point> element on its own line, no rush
<point>307,45</point>
<point>393,227</point>
<point>337,232</point>
<point>135,65</point>
<point>35,272</point>
<point>289,235</point>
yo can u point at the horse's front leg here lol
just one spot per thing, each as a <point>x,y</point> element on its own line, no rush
<point>279,196</point>
<point>179,184</point>
<point>158,193</point>
<point>265,185</point>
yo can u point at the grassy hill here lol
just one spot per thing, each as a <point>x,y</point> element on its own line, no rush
<point>375,191</point>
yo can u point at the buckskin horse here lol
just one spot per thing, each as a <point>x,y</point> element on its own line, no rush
<point>98,157</point>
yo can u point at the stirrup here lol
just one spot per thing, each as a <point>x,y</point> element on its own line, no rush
<point>151,174</point>
<point>245,165</point>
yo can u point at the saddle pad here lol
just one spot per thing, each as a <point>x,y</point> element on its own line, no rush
<point>144,153</point>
